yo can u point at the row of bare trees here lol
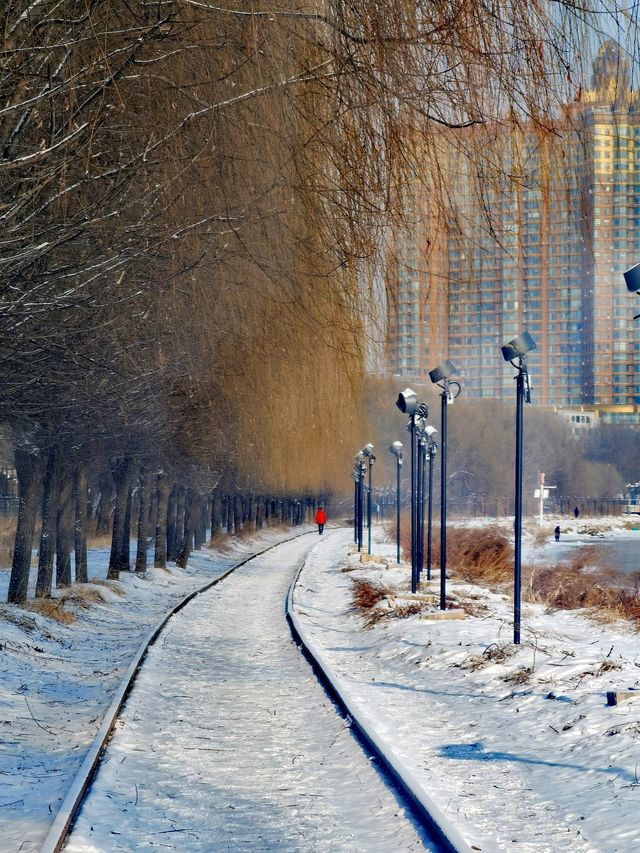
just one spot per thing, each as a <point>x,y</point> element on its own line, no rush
<point>190,194</point>
<point>126,501</point>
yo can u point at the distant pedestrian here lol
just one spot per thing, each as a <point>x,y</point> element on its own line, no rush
<point>556,533</point>
<point>321,519</point>
<point>576,512</point>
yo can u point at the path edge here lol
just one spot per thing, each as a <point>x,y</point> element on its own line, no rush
<point>432,816</point>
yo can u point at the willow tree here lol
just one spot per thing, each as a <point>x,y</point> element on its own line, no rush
<point>192,196</point>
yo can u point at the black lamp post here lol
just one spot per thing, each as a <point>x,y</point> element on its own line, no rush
<point>355,474</point>
<point>450,390</point>
<point>407,402</point>
<point>360,469</point>
<point>518,349</point>
<point>367,452</point>
<point>431,452</point>
<point>424,432</point>
<point>396,449</point>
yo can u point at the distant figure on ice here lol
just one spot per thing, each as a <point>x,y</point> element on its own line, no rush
<point>576,512</point>
<point>321,519</point>
<point>556,533</point>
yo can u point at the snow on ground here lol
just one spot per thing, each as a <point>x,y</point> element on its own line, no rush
<point>515,744</point>
<point>56,680</point>
<point>227,741</point>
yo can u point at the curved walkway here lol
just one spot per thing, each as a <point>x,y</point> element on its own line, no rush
<point>228,742</point>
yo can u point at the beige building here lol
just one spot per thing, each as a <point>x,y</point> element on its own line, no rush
<point>539,245</point>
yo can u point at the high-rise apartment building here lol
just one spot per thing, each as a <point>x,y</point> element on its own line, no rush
<point>540,245</point>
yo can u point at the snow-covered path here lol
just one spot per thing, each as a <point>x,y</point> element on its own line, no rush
<point>228,742</point>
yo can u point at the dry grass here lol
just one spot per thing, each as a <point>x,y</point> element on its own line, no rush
<point>483,555</point>
<point>95,541</point>
<point>607,665</point>
<point>7,537</point>
<point>402,611</point>
<point>366,594</point>
<point>52,608</point>
<point>541,535</point>
<point>476,555</point>
<point>114,586</point>
<point>82,595</point>
<point>492,654</point>
<point>583,583</point>
<point>520,676</point>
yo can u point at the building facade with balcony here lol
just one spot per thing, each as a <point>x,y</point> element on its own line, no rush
<point>540,245</point>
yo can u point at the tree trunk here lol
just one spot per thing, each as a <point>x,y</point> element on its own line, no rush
<point>125,544</point>
<point>152,507</point>
<point>80,531</point>
<point>231,516</point>
<point>181,497</point>
<point>47,548</point>
<point>64,531</point>
<point>103,513</point>
<point>200,528</point>
<point>121,470</point>
<point>90,503</point>
<point>171,524</point>
<point>216,515</point>
<point>192,506</point>
<point>238,511</point>
<point>29,473</point>
<point>141,549</point>
<point>224,512</point>
<point>160,550</point>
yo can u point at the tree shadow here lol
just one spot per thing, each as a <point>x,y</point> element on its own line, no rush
<point>476,752</point>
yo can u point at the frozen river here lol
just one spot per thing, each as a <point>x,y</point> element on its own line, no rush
<point>620,552</point>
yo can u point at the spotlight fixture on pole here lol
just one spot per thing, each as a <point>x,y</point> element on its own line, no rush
<point>515,352</point>
<point>396,449</point>
<point>407,402</point>
<point>450,390</point>
<point>367,452</point>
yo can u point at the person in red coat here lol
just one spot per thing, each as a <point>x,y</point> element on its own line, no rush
<point>321,519</point>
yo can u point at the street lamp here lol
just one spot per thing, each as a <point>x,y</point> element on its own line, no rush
<point>432,448</point>
<point>450,390</point>
<point>396,449</point>
<point>355,473</point>
<point>359,469</point>
<point>407,402</point>
<point>367,451</point>
<point>424,432</point>
<point>515,352</point>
